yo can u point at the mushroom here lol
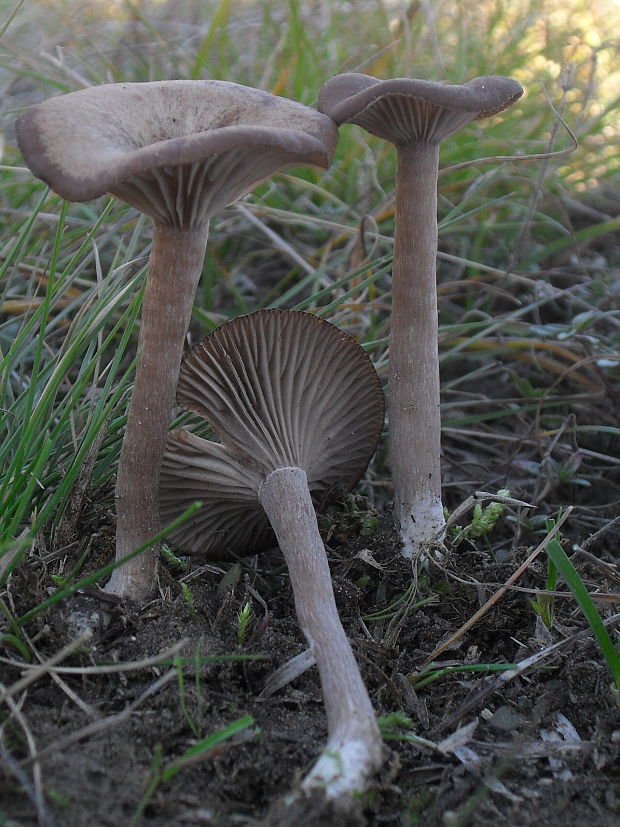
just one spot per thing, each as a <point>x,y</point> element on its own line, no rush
<point>178,151</point>
<point>299,409</point>
<point>415,115</point>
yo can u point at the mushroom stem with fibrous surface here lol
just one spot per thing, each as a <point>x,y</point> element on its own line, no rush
<point>176,258</point>
<point>179,151</point>
<point>299,409</point>
<point>353,751</point>
<point>415,116</point>
<point>414,413</point>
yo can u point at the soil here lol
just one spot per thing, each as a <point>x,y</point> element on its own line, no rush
<point>538,747</point>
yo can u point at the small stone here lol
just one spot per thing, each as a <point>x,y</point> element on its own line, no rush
<point>505,718</point>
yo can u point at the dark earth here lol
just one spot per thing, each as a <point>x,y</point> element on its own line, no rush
<point>539,748</point>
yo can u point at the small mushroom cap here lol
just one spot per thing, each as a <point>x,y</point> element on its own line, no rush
<point>405,110</point>
<point>280,388</point>
<point>177,150</point>
<point>231,521</point>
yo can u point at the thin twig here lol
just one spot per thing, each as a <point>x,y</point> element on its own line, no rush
<point>105,723</point>
<point>594,538</point>
<point>499,593</point>
<point>537,749</point>
<point>608,569</point>
<point>86,708</point>
<point>39,670</point>
<point>280,243</point>
<point>39,799</point>
<point>525,230</point>
<point>501,680</point>
<point>44,817</point>
<point>129,666</point>
<point>604,597</point>
<point>536,156</point>
<point>470,502</point>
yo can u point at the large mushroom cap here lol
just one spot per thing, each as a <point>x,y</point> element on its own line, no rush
<point>287,388</point>
<point>178,150</point>
<point>403,110</point>
<point>281,388</point>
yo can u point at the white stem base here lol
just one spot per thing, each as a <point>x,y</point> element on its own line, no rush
<point>343,768</point>
<point>415,533</point>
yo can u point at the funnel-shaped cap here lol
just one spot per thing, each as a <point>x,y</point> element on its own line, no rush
<point>405,110</point>
<point>178,150</point>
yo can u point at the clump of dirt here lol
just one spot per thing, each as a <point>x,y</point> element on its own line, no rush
<point>106,744</point>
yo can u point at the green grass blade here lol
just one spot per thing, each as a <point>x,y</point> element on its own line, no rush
<point>218,21</point>
<point>575,584</point>
<point>90,579</point>
<point>206,744</point>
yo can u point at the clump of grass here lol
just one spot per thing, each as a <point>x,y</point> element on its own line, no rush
<point>171,559</point>
<point>188,597</point>
<point>543,604</point>
<point>483,520</point>
<point>244,619</point>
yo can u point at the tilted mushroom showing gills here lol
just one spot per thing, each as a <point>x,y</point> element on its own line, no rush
<point>416,116</point>
<point>299,409</point>
<point>179,151</point>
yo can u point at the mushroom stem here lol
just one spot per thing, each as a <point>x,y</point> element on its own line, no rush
<point>354,747</point>
<point>175,267</point>
<point>413,399</point>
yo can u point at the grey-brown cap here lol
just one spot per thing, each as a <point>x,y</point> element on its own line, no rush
<point>178,150</point>
<point>280,388</point>
<point>231,521</point>
<point>404,110</point>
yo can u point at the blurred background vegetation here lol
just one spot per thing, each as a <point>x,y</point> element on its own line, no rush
<point>529,270</point>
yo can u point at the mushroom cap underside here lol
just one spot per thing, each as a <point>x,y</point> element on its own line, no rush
<point>287,388</point>
<point>231,522</point>
<point>404,110</point>
<point>280,388</point>
<point>109,138</point>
